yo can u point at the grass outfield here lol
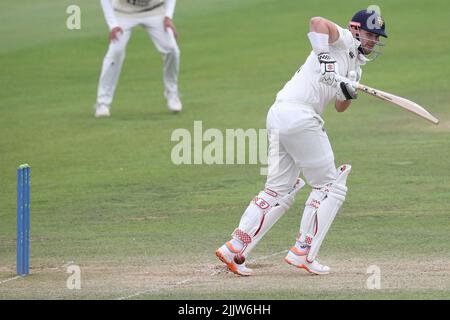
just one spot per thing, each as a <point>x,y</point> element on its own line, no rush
<point>106,196</point>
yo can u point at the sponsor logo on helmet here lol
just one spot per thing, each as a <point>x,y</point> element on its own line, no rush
<point>380,21</point>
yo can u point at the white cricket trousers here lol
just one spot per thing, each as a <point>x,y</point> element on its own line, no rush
<point>164,42</point>
<point>298,144</point>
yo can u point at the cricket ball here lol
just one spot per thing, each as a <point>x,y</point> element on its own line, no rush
<point>239,258</point>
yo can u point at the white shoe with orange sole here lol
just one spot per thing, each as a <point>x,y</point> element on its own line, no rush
<point>226,254</point>
<point>297,258</point>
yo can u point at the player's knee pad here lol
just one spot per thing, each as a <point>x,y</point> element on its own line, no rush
<point>337,191</point>
<point>263,211</point>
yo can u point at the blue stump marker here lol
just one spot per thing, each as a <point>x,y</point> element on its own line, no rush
<point>23,220</point>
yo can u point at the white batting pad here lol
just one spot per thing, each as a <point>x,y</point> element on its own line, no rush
<point>328,209</point>
<point>257,219</point>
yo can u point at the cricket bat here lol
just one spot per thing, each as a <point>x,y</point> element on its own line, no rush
<point>399,101</point>
<point>392,98</point>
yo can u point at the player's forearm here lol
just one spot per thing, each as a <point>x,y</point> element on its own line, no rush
<point>170,8</point>
<point>341,106</point>
<point>109,14</point>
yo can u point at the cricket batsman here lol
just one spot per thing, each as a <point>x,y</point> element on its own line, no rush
<point>302,145</point>
<point>156,17</point>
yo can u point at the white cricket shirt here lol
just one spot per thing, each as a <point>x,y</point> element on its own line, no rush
<point>304,88</point>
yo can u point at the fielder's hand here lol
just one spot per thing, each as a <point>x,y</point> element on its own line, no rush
<point>347,89</point>
<point>168,24</point>
<point>328,69</point>
<point>114,33</point>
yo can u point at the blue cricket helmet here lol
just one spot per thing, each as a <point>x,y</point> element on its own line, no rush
<point>370,21</point>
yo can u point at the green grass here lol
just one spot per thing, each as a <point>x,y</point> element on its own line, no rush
<point>105,191</point>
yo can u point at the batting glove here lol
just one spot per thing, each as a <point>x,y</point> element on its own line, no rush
<point>328,69</point>
<point>347,90</point>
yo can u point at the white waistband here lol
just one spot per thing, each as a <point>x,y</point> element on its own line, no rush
<point>295,104</point>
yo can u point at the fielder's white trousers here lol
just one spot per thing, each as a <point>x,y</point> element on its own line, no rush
<point>302,146</point>
<point>164,42</point>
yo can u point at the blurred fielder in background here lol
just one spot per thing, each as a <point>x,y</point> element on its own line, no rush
<point>156,17</point>
<point>303,146</point>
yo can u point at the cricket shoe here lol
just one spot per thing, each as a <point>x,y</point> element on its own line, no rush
<point>102,110</point>
<point>226,254</point>
<point>173,102</point>
<point>297,258</point>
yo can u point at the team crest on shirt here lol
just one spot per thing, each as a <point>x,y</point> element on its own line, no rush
<point>351,54</point>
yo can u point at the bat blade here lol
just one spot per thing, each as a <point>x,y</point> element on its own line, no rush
<point>399,101</point>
